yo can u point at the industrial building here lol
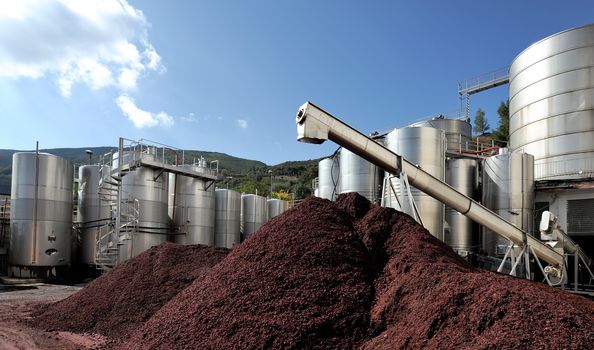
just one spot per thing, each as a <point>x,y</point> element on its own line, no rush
<point>547,167</point>
<point>146,193</point>
<point>123,208</point>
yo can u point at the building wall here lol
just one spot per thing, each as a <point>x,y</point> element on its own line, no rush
<point>559,204</point>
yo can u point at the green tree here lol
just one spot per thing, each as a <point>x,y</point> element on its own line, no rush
<point>301,191</point>
<point>481,126</point>
<point>502,131</point>
<point>284,195</point>
<point>250,185</point>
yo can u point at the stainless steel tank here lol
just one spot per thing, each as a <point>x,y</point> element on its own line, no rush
<point>93,213</point>
<point>458,132</point>
<point>193,209</point>
<point>359,175</point>
<point>426,147</point>
<point>41,210</point>
<point>145,188</point>
<point>461,234</point>
<point>276,207</point>
<point>508,190</point>
<point>551,110</point>
<point>328,178</point>
<point>254,213</point>
<point>227,218</point>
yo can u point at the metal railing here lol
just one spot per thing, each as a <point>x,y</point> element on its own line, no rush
<point>5,209</point>
<point>483,82</point>
<point>4,223</point>
<point>579,167</point>
<point>473,146</point>
<point>135,150</point>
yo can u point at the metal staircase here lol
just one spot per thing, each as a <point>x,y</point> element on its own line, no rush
<point>125,209</point>
<point>110,237</point>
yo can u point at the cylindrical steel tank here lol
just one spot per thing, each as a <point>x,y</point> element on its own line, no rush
<point>254,213</point>
<point>227,218</point>
<point>328,178</point>
<point>551,108</point>
<point>359,175</point>
<point>461,234</point>
<point>426,147</point>
<point>146,189</point>
<point>276,207</point>
<point>508,190</point>
<point>193,209</point>
<point>458,132</point>
<point>41,210</point>
<point>93,214</point>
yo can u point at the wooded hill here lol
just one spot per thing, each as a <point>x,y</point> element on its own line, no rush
<point>244,175</point>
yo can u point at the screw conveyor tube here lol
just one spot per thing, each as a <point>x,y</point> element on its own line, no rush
<point>315,125</point>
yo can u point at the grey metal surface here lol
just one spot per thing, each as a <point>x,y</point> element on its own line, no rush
<point>314,125</point>
<point>461,235</point>
<point>192,208</point>
<point>149,187</point>
<point>276,207</point>
<point>254,213</point>
<point>328,178</point>
<point>508,190</point>
<point>41,210</point>
<point>425,147</point>
<point>552,104</point>
<point>359,175</point>
<point>92,213</point>
<point>458,132</point>
<point>227,218</point>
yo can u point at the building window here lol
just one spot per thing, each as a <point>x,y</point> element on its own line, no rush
<point>580,216</point>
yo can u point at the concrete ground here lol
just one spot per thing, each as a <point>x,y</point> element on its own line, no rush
<point>16,304</point>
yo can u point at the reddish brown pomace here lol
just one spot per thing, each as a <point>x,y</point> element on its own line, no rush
<point>301,281</point>
<point>118,302</point>
<point>427,297</point>
<point>329,275</point>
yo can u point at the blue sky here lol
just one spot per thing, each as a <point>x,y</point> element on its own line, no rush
<point>229,76</point>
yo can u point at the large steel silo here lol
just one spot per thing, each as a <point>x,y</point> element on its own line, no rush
<point>41,213</point>
<point>458,132</point>
<point>508,190</point>
<point>359,175</point>
<point>146,188</point>
<point>461,235</point>
<point>93,214</point>
<point>254,213</point>
<point>426,147</point>
<point>227,218</point>
<point>276,207</point>
<point>551,108</point>
<point>193,208</point>
<point>328,178</point>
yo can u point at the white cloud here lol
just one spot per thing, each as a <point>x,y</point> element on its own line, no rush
<point>141,118</point>
<point>242,123</point>
<point>190,118</point>
<point>99,43</point>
